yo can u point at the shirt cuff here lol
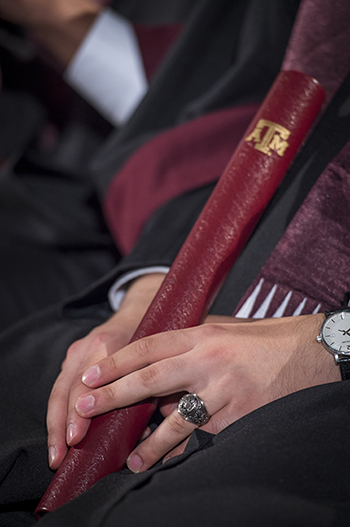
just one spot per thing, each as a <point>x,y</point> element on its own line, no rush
<point>107,70</point>
<point>117,291</point>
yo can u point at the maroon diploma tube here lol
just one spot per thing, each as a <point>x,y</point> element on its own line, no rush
<point>227,220</point>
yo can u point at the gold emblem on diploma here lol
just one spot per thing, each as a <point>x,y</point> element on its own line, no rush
<point>269,137</point>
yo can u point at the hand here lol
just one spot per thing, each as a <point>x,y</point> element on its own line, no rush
<point>65,426</point>
<point>235,368</point>
<point>60,25</point>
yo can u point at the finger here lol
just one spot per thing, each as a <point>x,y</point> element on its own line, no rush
<point>171,435</point>
<point>217,423</point>
<point>160,379</point>
<point>56,422</point>
<point>172,431</point>
<point>59,404</point>
<point>94,347</point>
<point>138,355</point>
<point>76,426</point>
<point>65,426</point>
<point>176,451</point>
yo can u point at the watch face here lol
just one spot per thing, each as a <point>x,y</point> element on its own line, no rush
<point>336,332</point>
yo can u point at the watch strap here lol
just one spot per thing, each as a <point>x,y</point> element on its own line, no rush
<point>344,365</point>
<point>346,299</point>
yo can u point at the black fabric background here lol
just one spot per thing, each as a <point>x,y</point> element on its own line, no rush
<point>284,464</point>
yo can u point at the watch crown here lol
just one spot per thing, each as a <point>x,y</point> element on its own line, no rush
<point>318,338</point>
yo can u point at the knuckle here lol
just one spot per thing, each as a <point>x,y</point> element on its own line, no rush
<point>211,333</point>
<point>54,426</point>
<point>144,348</point>
<point>73,349</point>
<point>150,449</point>
<point>91,341</point>
<point>217,425</point>
<point>208,330</point>
<point>113,365</point>
<point>150,375</point>
<point>174,365</point>
<point>108,394</point>
<point>218,353</point>
<point>157,372</point>
<point>100,339</point>
<point>50,424</point>
<point>177,424</point>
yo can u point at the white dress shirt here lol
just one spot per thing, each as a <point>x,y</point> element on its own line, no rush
<point>107,70</point>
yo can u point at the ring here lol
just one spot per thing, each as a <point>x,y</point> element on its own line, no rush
<point>192,408</point>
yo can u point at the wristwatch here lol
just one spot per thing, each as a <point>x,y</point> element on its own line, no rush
<point>335,337</point>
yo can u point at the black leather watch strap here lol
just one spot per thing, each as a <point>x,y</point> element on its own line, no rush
<point>344,366</point>
<point>346,299</point>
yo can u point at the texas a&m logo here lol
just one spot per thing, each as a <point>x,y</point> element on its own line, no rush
<point>269,137</point>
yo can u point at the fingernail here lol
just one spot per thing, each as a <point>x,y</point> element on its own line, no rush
<point>91,375</point>
<point>71,431</point>
<point>134,463</point>
<point>85,403</point>
<point>52,455</point>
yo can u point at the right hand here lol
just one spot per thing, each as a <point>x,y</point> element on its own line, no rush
<point>65,426</point>
<point>234,367</point>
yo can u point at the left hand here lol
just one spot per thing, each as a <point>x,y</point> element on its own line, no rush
<point>64,426</point>
<point>234,368</point>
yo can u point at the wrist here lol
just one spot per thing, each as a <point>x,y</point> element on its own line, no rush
<point>135,304</point>
<point>141,292</point>
<point>325,369</point>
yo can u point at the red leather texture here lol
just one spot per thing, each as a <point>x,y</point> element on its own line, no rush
<point>236,204</point>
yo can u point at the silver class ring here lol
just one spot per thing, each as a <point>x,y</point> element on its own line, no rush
<point>192,408</point>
